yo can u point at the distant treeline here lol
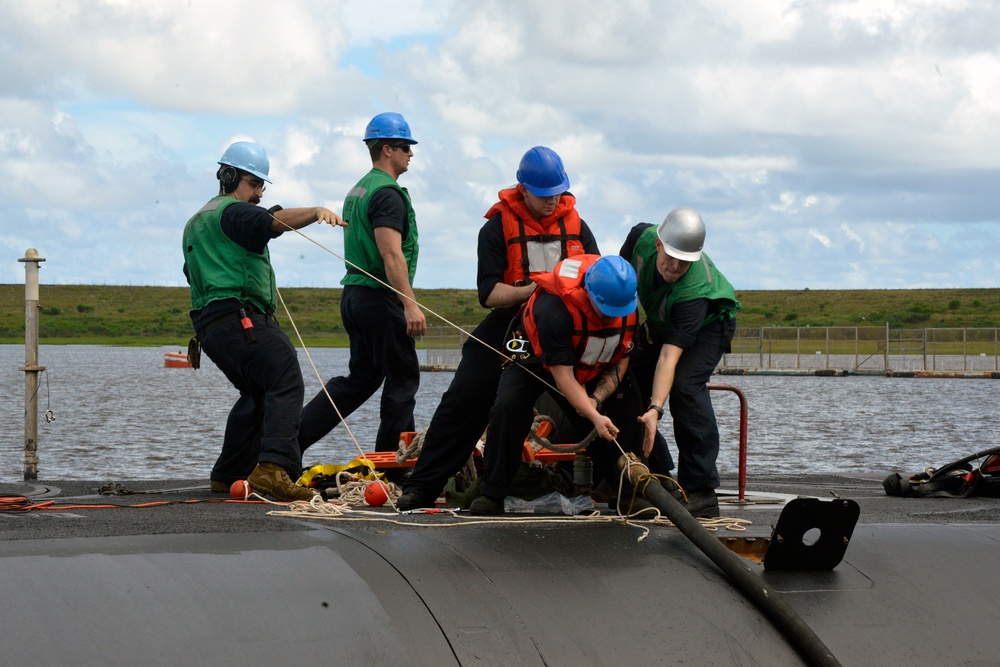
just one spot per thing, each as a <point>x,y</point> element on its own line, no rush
<point>119,315</point>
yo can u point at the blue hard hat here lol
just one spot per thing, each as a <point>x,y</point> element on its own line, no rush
<point>388,125</point>
<point>541,171</point>
<point>249,157</point>
<point>611,282</point>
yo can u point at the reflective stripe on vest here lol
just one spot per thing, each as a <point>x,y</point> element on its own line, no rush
<point>536,246</point>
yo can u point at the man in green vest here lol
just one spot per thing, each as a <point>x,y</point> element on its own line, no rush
<point>690,320</point>
<point>381,248</point>
<point>233,297</point>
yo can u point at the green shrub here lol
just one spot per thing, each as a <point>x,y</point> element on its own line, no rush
<point>918,312</point>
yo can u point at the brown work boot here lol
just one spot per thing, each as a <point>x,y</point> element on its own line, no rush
<point>272,479</point>
<point>219,487</point>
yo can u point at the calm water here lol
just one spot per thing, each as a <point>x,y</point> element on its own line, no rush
<point>120,414</point>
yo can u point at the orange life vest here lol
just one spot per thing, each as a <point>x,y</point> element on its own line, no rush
<point>598,341</point>
<point>535,246</point>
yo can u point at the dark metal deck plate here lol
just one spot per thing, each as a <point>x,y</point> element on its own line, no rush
<point>812,534</point>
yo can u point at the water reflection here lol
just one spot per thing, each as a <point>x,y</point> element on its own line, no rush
<point>121,414</point>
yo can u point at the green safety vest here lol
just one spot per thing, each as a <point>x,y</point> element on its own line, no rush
<point>360,248</point>
<point>702,281</point>
<point>219,268</point>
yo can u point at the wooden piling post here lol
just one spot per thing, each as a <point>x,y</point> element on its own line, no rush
<point>31,368</point>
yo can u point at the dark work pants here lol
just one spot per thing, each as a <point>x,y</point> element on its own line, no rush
<point>510,423</point>
<point>695,430</point>
<point>263,425</point>
<point>380,351</point>
<point>464,411</point>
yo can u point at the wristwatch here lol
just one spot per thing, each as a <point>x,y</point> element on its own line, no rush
<point>659,410</point>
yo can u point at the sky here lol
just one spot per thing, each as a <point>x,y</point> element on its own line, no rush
<point>828,144</point>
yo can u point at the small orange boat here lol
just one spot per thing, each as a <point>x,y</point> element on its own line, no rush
<point>176,360</point>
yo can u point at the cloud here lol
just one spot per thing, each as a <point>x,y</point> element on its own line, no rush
<point>822,238</point>
<point>853,236</point>
<point>858,142</point>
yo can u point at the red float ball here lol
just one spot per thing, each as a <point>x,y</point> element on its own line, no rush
<point>240,489</point>
<point>376,494</point>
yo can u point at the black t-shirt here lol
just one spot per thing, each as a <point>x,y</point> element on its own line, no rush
<point>555,330</point>
<point>249,225</point>
<point>388,209</point>
<point>684,319</point>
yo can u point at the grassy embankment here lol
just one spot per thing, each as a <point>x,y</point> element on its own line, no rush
<point>119,315</point>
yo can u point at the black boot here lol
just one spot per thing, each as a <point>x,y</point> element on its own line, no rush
<point>703,504</point>
<point>413,500</point>
<point>486,506</point>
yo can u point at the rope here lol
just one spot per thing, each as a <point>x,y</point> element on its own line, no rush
<point>49,415</point>
<point>322,384</point>
<point>353,493</point>
<point>468,471</point>
<point>538,442</point>
<point>415,302</point>
<point>643,480</point>
<point>24,504</point>
<point>422,307</point>
<point>411,451</point>
<point>339,511</point>
<point>566,448</point>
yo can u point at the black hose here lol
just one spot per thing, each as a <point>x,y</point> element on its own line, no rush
<point>944,470</point>
<point>784,618</point>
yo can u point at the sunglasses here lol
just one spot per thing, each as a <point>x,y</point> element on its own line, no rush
<point>406,148</point>
<point>255,183</point>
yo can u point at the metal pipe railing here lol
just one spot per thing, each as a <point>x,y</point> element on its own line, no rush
<point>743,433</point>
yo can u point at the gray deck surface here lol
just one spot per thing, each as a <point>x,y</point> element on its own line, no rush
<point>225,583</point>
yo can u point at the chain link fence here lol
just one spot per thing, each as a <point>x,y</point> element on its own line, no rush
<point>851,349</point>
<point>443,345</point>
<point>859,349</point>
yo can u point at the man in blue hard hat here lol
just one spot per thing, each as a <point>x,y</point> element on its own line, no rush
<point>381,249</point>
<point>578,325</point>
<point>233,298</point>
<point>533,226</point>
<point>690,320</point>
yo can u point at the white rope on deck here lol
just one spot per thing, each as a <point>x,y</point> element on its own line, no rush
<point>317,508</point>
